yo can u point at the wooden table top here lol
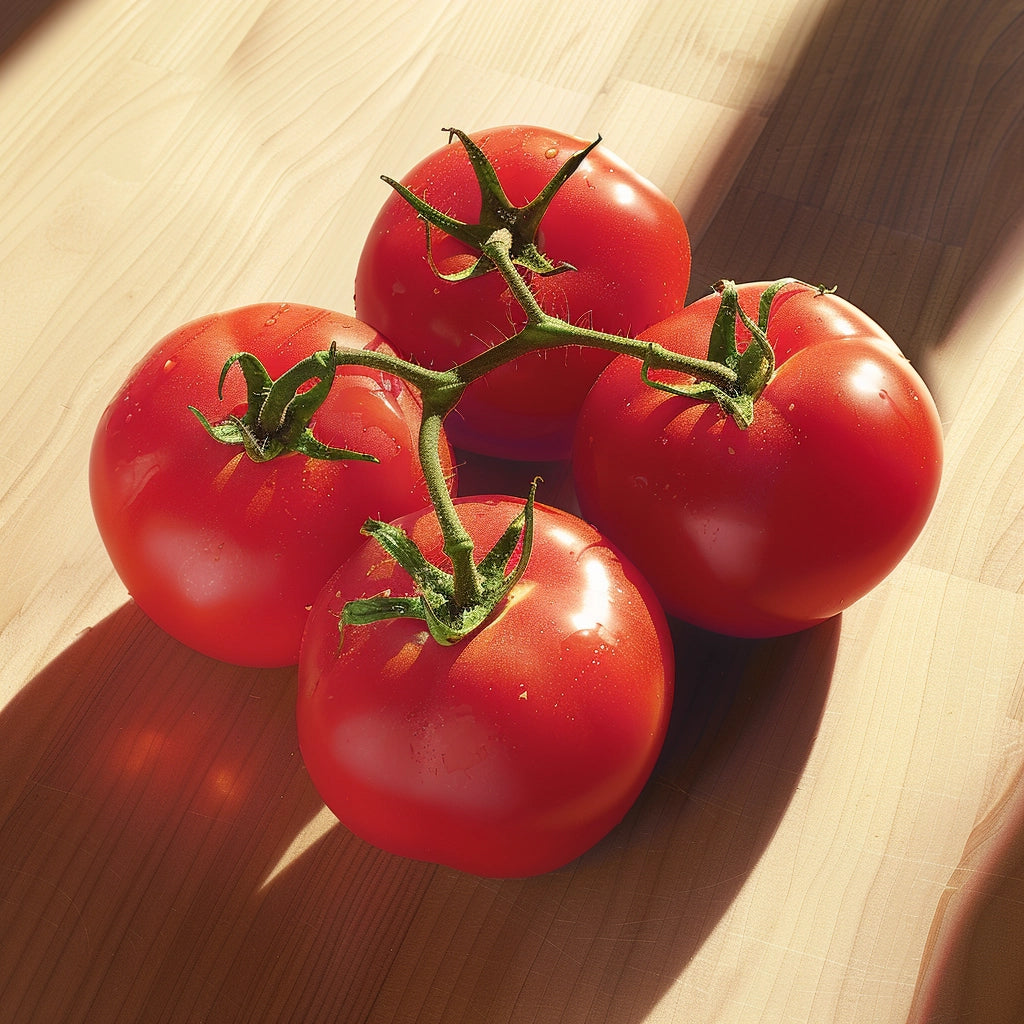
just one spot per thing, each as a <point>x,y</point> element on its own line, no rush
<point>835,834</point>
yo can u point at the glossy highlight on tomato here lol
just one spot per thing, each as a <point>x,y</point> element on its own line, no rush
<point>513,751</point>
<point>227,554</point>
<point>771,529</point>
<point>625,238</point>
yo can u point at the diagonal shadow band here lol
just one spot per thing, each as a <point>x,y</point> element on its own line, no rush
<point>891,165</point>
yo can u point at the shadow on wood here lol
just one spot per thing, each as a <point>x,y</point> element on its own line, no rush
<point>892,164</point>
<point>19,17</point>
<point>166,792</point>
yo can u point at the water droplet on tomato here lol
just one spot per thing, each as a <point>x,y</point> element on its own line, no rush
<point>599,638</point>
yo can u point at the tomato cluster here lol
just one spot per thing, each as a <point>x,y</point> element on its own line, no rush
<point>751,463</point>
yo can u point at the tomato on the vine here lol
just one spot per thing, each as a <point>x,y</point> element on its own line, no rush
<point>625,238</point>
<point>513,751</point>
<point>769,529</point>
<point>225,553</point>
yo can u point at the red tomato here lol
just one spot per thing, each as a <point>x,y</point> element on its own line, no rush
<point>626,239</point>
<point>768,530</point>
<point>224,553</point>
<point>511,752</point>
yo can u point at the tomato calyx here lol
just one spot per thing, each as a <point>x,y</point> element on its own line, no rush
<point>752,367</point>
<point>436,603</point>
<point>278,413</point>
<point>496,212</point>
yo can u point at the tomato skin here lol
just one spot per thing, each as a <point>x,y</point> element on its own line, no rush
<point>625,237</point>
<point>770,530</point>
<point>224,553</point>
<point>514,751</point>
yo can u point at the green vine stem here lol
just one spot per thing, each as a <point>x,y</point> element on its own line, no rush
<point>545,331</point>
<point>458,545</point>
<point>279,412</point>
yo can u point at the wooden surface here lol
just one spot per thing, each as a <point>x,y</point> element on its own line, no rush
<point>835,831</point>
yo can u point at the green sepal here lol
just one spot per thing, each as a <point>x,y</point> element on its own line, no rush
<point>497,213</point>
<point>363,610</point>
<point>403,549</point>
<point>493,565</point>
<point>434,603</point>
<point>277,417</point>
<point>740,407</point>
<point>227,431</point>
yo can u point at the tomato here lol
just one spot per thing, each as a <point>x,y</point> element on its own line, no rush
<point>225,553</point>
<point>767,530</point>
<point>626,239</point>
<point>513,751</point>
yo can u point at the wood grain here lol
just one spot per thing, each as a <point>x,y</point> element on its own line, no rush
<point>834,830</point>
